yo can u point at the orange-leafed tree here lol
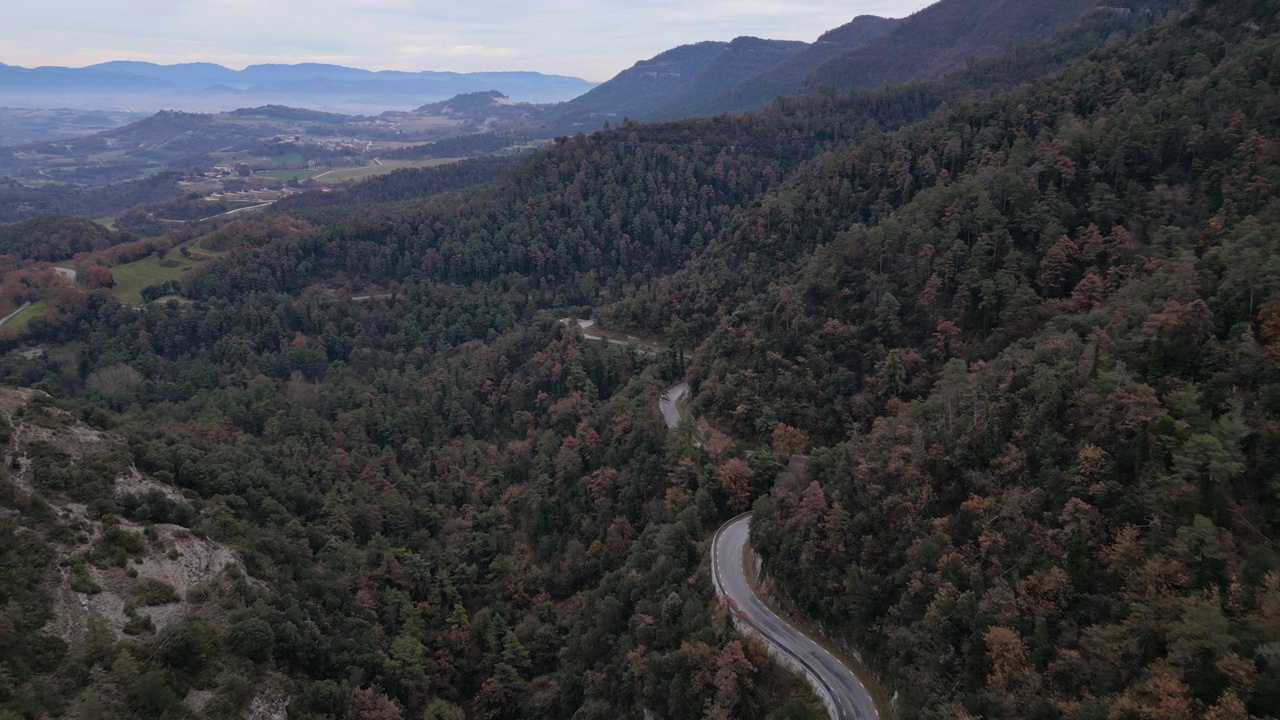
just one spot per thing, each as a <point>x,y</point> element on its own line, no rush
<point>735,479</point>
<point>788,441</point>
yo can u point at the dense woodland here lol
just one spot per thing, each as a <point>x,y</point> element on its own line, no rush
<point>20,203</point>
<point>1024,322</point>
<point>932,41</point>
<point>55,237</point>
<point>401,185</point>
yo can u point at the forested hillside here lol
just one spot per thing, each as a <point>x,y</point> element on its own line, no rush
<point>789,76</point>
<point>944,35</point>
<point>401,185</point>
<point>1023,322</point>
<point>1038,328</point>
<point>54,237</point>
<point>19,203</point>
<point>747,74</point>
<point>669,84</point>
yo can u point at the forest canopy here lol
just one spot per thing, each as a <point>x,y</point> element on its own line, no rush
<point>1022,323</point>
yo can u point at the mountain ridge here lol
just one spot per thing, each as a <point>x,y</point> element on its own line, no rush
<point>940,37</point>
<point>788,77</point>
<point>713,77</point>
<point>210,87</point>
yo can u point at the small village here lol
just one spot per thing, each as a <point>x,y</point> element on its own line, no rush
<point>256,195</point>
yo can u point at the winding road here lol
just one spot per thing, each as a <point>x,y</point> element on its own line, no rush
<point>669,404</point>
<point>839,689</point>
<point>841,692</point>
<point>151,216</point>
<point>634,343</point>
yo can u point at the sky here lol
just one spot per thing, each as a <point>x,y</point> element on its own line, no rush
<point>591,39</point>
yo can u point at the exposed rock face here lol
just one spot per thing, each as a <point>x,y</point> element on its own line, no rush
<point>163,573</point>
<point>187,564</point>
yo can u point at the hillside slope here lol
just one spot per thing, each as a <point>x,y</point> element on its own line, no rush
<point>667,83</point>
<point>54,237</point>
<point>789,76</point>
<point>1034,335</point>
<point>745,58</point>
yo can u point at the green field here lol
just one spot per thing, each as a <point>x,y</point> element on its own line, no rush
<point>196,247</point>
<point>19,321</point>
<point>301,174</point>
<point>287,159</point>
<point>359,173</point>
<point>429,122</point>
<point>109,155</point>
<point>108,223</point>
<point>133,277</point>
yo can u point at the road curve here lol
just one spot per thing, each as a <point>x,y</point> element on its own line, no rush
<point>840,690</point>
<point>669,404</point>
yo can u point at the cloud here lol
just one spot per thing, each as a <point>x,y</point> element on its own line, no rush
<point>588,38</point>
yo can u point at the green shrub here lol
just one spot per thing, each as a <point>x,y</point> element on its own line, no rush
<point>187,646</point>
<point>156,592</point>
<point>116,545</point>
<point>251,639</point>
<point>82,583</point>
<point>151,696</point>
<point>138,624</point>
<point>231,697</point>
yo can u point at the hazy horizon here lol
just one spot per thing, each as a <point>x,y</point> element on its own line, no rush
<point>589,40</point>
<point>241,68</point>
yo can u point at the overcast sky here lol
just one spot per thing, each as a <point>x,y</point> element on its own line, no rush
<point>592,39</point>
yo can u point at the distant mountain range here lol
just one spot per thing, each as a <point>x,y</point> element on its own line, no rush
<point>87,175</point>
<point>701,79</point>
<point>126,85</point>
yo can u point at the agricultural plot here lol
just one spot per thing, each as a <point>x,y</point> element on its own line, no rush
<point>133,277</point>
<point>360,173</point>
<point>301,174</point>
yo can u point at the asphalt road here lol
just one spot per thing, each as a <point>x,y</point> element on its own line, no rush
<point>14,314</point>
<point>668,404</point>
<point>845,696</point>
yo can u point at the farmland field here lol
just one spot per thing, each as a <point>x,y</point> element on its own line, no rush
<point>359,173</point>
<point>302,174</point>
<point>287,159</point>
<point>431,122</point>
<point>133,277</point>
